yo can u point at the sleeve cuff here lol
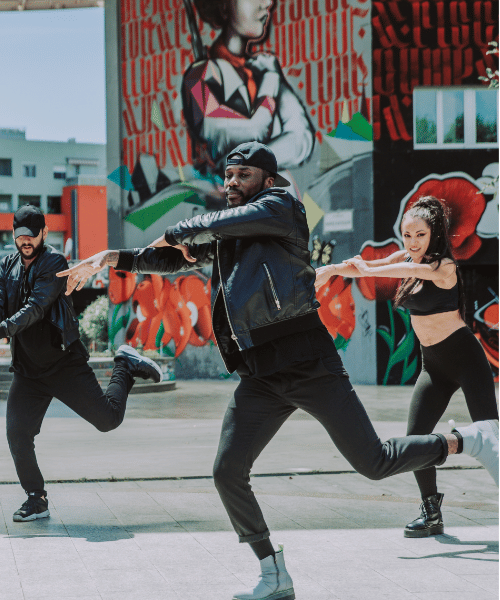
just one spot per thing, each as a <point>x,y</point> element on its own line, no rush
<point>125,260</point>
<point>169,236</point>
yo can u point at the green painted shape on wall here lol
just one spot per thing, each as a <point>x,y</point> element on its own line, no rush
<point>361,126</point>
<point>145,217</point>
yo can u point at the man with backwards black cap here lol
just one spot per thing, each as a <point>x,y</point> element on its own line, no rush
<point>48,358</point>
<point>267,329</point>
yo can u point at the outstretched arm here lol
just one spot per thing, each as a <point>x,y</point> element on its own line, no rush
<point>404,270</point>
<point>80,273</point>
<point>323,274</point>
<point>348,268</point>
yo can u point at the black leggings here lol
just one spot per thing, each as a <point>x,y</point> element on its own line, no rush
<point>457,362</point>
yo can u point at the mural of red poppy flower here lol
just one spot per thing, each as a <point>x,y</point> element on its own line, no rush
<point>466,207</point>
<point>121,286</point>
<point>337,307</point>
<point>378,288</point>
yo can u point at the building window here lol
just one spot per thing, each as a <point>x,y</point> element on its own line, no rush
<point>33,200</point>
<point>7,245</point>
<point>53,205</point>
<point>29,170</point>
<point>5,203</point>
<point>486,117</point>
<point>455,118</point>
<point>59,172</point>
<point>6,167</point>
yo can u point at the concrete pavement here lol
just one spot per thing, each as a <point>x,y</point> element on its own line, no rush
<point>170,538</point>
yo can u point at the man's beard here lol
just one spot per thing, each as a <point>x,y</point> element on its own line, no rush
<point>35,249</point>
<point>245,198</point>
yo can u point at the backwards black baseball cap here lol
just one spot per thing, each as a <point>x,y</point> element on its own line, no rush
<point>255,154</point>
<point>28,220</point>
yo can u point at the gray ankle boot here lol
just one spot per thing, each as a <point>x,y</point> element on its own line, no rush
<point>274,581</point>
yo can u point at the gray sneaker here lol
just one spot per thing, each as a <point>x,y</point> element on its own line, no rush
<point>137,365</point>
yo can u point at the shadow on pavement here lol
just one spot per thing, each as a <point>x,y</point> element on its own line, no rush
<point>491,547</point>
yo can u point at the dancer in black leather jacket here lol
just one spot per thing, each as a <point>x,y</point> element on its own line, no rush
<point>267,328</point>
<point>48,358</point>
<point>261,269</point>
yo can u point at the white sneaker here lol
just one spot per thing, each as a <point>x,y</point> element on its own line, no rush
<point>274,581</point>
<point>481,442</point>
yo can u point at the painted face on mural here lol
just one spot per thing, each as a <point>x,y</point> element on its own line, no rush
<point>248,18</point>
<point>416,237</point>
<point>242,183</point>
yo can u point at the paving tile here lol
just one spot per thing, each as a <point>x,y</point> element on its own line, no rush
<point>139,595</point>
<point>123,580</point>
<point>17,595</point>
<point>435,579</point>
<point>476,595</point>
<point>485,581</point>
<point>10,583</point>
<point>58,586</point>
<point>202,591</point>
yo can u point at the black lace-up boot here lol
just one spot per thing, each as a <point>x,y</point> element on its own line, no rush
<point>430,521</point>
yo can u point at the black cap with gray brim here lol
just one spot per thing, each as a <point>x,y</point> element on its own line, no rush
<point>255,154</point>
<point>28,220</point>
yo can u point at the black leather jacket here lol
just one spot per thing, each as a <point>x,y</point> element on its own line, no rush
<point>261,276</point>
<point>46,300</point>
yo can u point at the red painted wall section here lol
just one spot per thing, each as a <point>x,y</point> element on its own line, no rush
<point>92,218</point>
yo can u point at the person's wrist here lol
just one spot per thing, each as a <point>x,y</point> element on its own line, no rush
<point>111,257</point>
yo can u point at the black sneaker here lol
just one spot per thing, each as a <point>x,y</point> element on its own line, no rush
<point>139,366</point>
<point>35,507</point>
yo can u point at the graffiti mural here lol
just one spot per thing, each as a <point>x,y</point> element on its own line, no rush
<point>199,77</point>
<point>156,314</point>
<point>423,48</point>
<point>331,86</point>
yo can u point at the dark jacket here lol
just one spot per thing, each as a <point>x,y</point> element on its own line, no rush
<point>261,276</point>
<point>46,300</point>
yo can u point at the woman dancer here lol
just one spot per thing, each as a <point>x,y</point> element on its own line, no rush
<point>452,357</point>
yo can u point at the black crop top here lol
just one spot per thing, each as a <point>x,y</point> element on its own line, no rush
<point>430,299</point>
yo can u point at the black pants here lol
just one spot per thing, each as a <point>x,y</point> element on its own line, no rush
<point>261,405</point>
<point>457,362</point>
<point>74,384</point>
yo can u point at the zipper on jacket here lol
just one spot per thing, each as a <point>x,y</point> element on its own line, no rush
<point>233,336</point>
<point>273,289</point>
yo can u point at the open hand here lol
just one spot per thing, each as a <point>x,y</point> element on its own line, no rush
<point>323,274</point>
<point>161,243</point>
<point>78,275</point>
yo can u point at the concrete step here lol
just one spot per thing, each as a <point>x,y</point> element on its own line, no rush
<point>103,368</point>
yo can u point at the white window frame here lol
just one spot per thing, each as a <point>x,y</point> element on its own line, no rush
<point>469,120</point>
